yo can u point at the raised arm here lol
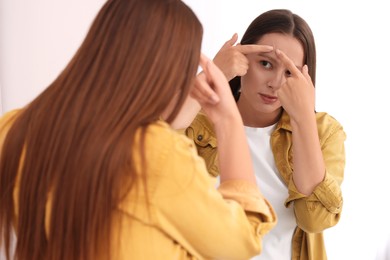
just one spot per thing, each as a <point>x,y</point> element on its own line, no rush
<point>297,98</point>
<point>234,157</point>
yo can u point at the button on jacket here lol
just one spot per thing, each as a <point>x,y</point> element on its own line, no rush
<point>314,213</point>
<point>184,215</point>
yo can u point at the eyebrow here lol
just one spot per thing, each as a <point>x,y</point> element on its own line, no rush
<point>266,55</point>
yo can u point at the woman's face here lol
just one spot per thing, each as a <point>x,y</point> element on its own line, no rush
<point>259,105</point>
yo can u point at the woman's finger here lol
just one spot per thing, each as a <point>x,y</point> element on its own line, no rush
<point>202,91</point>
<point>287,62</point>
<point>253,48</point>
<point>230,42</point>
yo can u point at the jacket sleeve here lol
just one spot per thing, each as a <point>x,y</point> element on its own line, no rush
<point>322,208</point>
<point>224,224</point>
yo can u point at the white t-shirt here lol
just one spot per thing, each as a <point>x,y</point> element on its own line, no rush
<point>277,243</point>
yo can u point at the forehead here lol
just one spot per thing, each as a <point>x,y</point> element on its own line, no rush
<point>286,43</point>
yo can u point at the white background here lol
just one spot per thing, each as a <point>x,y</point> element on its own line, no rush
<point>38,38</point>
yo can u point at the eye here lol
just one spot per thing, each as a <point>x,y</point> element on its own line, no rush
<point>266,64</point>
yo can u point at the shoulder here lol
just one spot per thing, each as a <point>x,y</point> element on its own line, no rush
<point>325,119</point>
<point>171,157</point>
<point>162,143</point>
<point>328,126</point>
<point>160,133</point>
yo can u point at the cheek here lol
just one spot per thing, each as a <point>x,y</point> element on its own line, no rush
<point>247,82</point>
<point>255,77</point>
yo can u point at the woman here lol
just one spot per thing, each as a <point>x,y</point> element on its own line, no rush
<point>298,154</point>
<point>91,168</point>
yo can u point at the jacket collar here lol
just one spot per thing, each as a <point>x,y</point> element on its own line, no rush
<point>284,122</point>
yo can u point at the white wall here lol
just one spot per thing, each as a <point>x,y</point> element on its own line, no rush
<point>39,37</point>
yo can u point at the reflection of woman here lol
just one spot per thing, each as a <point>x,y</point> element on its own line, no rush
<point>298,154</point>
<point>89,170</point>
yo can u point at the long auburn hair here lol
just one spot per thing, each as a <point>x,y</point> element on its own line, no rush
<point>285,22</point>
<point>71,146</point>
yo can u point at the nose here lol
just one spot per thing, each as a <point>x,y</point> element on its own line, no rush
<point>277,80</point>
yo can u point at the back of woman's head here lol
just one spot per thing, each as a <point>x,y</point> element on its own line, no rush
<point>141,54</point>
<point>285,22</point>
<point>74,140</point>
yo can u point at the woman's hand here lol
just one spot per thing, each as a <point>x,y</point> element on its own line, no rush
<point>231,59</point>
<point>213,93</point>
<point>297,94</point>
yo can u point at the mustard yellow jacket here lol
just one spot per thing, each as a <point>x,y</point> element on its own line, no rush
<point>314,213</point>
<point>185,216</point>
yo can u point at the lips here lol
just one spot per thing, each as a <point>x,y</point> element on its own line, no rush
<point>268,99</point>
